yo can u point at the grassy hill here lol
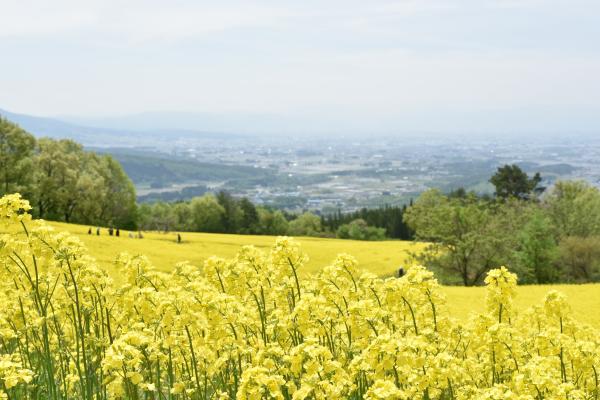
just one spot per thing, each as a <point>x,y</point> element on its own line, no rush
<point>381,258</point>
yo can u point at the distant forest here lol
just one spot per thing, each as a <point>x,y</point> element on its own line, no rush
<point>223,213</point>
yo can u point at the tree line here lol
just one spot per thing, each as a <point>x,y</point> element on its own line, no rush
<point>63,182</point>
<point>223,213</point>
<point>544,236</point>
<point>383,222</point>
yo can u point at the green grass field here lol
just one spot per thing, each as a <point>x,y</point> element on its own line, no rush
<point>381,258</point>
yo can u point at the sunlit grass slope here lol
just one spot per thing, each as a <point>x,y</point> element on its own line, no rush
<point>381,258</point>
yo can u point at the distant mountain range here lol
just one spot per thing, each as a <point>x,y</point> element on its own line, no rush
<point>198,125</point>
<point>117,133</point>
<point>161,129</point>
<point>186,121</point>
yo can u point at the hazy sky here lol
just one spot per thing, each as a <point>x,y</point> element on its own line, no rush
<point>425,65</point>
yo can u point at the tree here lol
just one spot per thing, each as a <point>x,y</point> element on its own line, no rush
<point>207,214</point>
<point>459,193</point>
<point>249,220</point>
<point>467,237</point>
<point>574,208</point>
<point>74,185</point>
<point>67,181</point>
<point>580,258</point>
<point>512,181</point>
<point>390,218</point>
<point>184,216</point>
<point>232,216</point>
<point>84,204</point>
<point>307,224</point>
<point>537,251</point>
<point>16,164</point>
<point>52,178</point>
<point>271,222</point>
<point>145,216</point>
<point>63,182</point>
<point>158,217</point>
<point>359,230</point>
<point>118,203</point>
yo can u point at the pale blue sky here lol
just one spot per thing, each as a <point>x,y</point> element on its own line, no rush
<point>394,65</point>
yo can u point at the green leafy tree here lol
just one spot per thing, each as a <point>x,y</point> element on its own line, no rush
<point>73,185</point>
<point>307,224</point>
<point>207,214</point>
<point>512,182</point>
<point>249,222</point>
<point>360,230</point>
<point>271,222</point>
<point>54,176</point>
<point>63,182</point>
<point>67,182</point>
<point>118,201</point>
<point>144,216</point>
<point>580,258</point>
<point>184,216</point>
<point>459,193</point>
<point>537,251</point>
<point>574,208</point>
<point>467,237</point>
<point>82,205</point>
<point>233,214</point>
<point>16,164</point>
<point>162,217</point>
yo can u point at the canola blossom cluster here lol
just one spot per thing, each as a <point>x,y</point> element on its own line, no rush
<point>252,328</point>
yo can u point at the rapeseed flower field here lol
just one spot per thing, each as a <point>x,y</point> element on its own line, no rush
<point>381,258</point>
<point>162,249</point>
<point>254,326</point>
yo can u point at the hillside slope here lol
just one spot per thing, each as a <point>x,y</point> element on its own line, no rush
<point>381,258</point>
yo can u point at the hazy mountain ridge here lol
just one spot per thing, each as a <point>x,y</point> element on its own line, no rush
<point>106,136</point>
<point>161,128</point>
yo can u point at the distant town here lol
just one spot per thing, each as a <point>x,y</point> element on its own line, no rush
<point>327,175</point>
<point>322,173</point>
